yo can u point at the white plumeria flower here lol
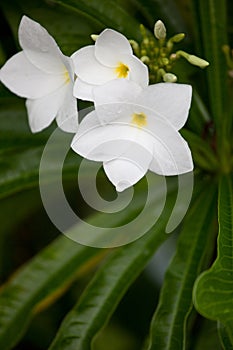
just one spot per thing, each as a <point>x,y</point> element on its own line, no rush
<point>110,58</point>
<point>44,76</point>
<point>134,129</point>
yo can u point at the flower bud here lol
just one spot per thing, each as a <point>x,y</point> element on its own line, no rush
<point>134,44</point>
<point>94,37</point>
<point>196,61</point>
<point>177,38</point>
<point>145,59</point>
<point>160,30</point>
<point>169,78</point>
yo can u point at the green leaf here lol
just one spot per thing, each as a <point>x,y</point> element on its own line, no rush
<point>56,266</point>
<point>168,328</point>
<point>108,12</point>
<point>199,116</point>
<point>211,29</point>
<point>106,289</point>
<point>213,292</point>
<point>203,155</point>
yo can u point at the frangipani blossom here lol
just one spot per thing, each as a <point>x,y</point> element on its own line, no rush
<point>133,130</point>
<point>44,76</point>
<point>110,58</point>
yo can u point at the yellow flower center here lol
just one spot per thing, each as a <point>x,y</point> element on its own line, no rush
<point>121,70</point>
<point>139,119</point>
<point>66,77</point>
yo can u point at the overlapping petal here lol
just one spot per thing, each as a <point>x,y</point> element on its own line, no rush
<point>26,80</point>
<point>111,47</point>
<point>171,101</point>
<point>83,90</point>
<point>101,143</point>
<point>120,90</point>
<point>67,116</point>
<point>138,71</point>
<point>42,111</point>
<point>89,69</point>
<point>40,47</point>
<point>171,158</point>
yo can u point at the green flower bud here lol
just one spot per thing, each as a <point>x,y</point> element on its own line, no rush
<point>145,59</point>
<point>177,38</point>
<point>135,46</point>
<point>94,37</point>
<point>196,61</point>
<point>169,78</point>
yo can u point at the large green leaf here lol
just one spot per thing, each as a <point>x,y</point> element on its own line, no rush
<point>168,328</point>
<point>213,293</point>
<point>103,294</point>
<point>56,266</point>
<point>53,268</point>
<point>106,289</point>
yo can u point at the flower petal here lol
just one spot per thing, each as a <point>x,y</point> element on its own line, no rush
<point>89,69</point>
<point>168,100</point>
<point>67,118</point>
<point>105,142</point>
<point>42,111</point>
<point>172,155</point>
<point>39,47</point>
<point>83,90</point>
<point>118,90</point>
<point>25,80</point>
<point>138,71</point>
<point>123,173</point>
<point>110,46</point>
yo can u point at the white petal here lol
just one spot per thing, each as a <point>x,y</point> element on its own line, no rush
<point>126,113</point>
<point>25,80</point>
<point>172,155</point>
<point>42,111</point>
<point>118,90</point>
<point>83,90</point>
<point>138,71</point>
<point>69,65</point>
<point>123,173</point>
<point>169,100</point>
<point>39,47</point>
<point>110,46</point>
<point>67,118</point>
<point>105,142</point>
<point>89,69</point>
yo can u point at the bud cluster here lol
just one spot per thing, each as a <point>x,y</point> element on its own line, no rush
<point>156,51</point>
